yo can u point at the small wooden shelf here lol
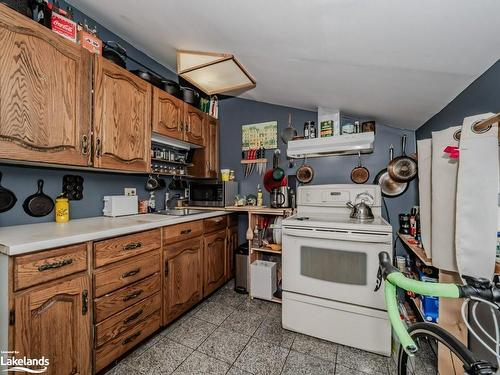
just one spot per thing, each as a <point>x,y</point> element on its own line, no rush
<point>266,250</point>
<point>418,251</point>
<point>254,161</point>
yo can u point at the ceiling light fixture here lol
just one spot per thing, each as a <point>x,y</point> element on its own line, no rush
<point>213,73</point>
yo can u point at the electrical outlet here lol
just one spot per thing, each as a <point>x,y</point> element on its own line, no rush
<point>130,191</point>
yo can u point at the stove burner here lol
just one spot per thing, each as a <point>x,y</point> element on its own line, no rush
<point>303,218</point>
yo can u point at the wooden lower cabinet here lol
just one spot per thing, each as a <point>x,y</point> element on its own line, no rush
<point>214,261</point>
<point>54,321</point>
<point>183,285</point>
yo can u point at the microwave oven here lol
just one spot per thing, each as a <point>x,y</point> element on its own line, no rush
<point>212,193</point>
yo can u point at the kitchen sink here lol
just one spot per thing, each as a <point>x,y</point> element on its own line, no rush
<point>180,212</point>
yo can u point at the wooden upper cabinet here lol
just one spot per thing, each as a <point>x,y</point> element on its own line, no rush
<point>215,259</point>
<point>194,124</point>
<point>183,277</point>
<point>45,94</point>
<point>212,147</point>
<point>168,114</point>
<point>122,118</point>
<point>54,321</point>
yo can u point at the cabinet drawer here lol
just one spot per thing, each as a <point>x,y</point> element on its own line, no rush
<point>215,223</point>
<point>115,325</point>
<point>126,341</point>
<point>112,303</point>
<point>180,232</point>
<point>126,272</point>
<point>232,220</point>
<point>118,248</point>
<point>34,269</point>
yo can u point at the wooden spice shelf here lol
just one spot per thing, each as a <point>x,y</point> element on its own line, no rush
<point>418,251</point>
<point>265,250</point>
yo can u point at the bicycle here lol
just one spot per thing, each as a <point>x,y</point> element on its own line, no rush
<point>422,339</point>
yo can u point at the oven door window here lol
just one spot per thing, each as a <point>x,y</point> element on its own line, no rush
<point>338,266</point>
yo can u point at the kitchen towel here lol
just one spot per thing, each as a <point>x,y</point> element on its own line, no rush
<point>477,199</point>
<point>444,188</point>
<point>424,153</point>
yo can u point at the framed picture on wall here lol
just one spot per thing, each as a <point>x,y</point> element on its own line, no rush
<point>262,134</point>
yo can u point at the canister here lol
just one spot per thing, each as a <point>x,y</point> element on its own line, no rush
<point>62,209</point>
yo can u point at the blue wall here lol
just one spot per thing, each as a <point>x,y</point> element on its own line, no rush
<point>481,96</point>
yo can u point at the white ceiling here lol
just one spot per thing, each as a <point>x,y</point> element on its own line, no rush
<point>399,62</point>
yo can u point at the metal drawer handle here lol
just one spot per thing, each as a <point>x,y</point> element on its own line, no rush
<point>85,145</point>
<point>132,295</point>
<point>59,264</point>
<point>131,273</point>
<point>85,302</point>
<point>186,231</point>
<point>133,317</point>
<point>129,339</point>
<point>132,246</point>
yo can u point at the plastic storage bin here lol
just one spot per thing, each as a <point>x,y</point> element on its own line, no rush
<point>263,281</point>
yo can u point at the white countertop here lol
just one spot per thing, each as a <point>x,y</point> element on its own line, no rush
<point>22,239</point>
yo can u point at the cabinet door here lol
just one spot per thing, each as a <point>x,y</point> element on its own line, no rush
<point>54,321</point>
<point>122,118</point>
<point>194,125</point>
<point>232,244</point>
<point>183,277</point>
<point>167,114</point>
<point>214,260</point>
<point>212,147</point>
<point>45,94</point>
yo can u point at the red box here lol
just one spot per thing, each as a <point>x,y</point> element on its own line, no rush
<point>90,42</point>
<point>63,26</point>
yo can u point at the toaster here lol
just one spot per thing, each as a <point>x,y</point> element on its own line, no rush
<point>120,205</point>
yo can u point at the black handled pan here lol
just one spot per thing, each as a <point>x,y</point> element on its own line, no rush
<point>403,168</point>
<point>7,198</point>
<point>38,204</point>
<point>389,187</point>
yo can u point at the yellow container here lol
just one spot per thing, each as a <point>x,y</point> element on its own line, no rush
<point>225,174</point>
<point>62,209</point>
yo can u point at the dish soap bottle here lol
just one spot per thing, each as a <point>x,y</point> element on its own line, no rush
<point>152,202</point>
<point>260,199</point>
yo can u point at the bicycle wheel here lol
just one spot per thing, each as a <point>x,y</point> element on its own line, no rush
<point>425,361</point>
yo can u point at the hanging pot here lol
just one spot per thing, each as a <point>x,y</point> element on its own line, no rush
<point>171,87</point>
<point>7,198</point>
<point>38,204</point>
<point>305,174</point>
<point>403,168</point>
<point>152,184</point>
<point>359,174</point>
<point>388,186</point>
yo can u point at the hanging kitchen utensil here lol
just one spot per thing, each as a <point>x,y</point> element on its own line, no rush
<point>289,132</point>
<point>38,204</point>
<point>72,187</point>
<point>305,173</point>
<point>7,198</point>
<point>359,174</point>
<point>388,186</point>
<point>152,183</point>
<point>403,168</point>
<point>278,172</point>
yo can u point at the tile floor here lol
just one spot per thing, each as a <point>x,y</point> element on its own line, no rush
<point>232,334</point>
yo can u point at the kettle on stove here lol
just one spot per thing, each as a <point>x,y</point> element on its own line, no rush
<point>360,211</point>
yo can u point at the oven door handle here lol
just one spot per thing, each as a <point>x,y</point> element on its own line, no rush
<point>371,237</point>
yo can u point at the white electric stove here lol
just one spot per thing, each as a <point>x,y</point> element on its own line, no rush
<point>330,265</point>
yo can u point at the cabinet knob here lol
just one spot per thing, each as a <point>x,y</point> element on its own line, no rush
<point>85,144</point>
<point>98,147</point>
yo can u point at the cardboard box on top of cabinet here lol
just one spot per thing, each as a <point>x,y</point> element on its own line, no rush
<point>327,116</point>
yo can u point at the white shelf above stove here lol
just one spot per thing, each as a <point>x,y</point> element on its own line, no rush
<point>348,144</point>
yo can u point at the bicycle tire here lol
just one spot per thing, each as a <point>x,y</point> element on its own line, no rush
<point>429,330</point>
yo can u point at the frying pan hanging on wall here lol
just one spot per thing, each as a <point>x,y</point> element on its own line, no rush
<point>403,168</point>
<point>7,198</point>
<point>389,187</point>
<point>38,204</point>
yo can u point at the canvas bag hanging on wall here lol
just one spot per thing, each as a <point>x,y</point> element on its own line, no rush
<point>424,153</point>
<point>444,184</point>
<point>477,199</point>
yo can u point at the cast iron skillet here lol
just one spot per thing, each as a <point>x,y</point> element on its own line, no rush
<point>38,204</point>
<point>7,198</point>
